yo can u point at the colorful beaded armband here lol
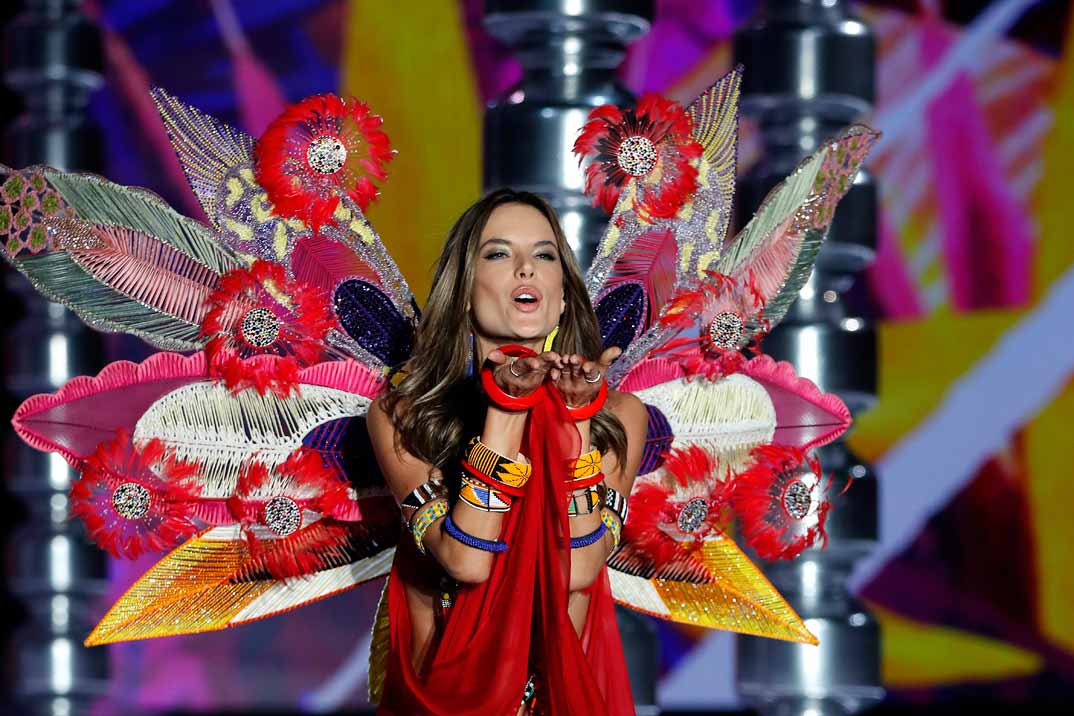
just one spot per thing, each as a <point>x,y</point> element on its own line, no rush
<point>616,502</point>
<point>482,497</point>
<point>586,540</point>
<point>586,465</point>
<point>585,471</point>
<point>496,470</point>
<point>486,545</point>
<point>585,500</point>
<point>611,521</point>
<point>432,489</point>
<point>424,518</point>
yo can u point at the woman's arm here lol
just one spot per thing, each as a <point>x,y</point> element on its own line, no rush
<point>403,473</point>
<point>586,562</point>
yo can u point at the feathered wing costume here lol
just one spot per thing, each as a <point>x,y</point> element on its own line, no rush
<point>241,451</point>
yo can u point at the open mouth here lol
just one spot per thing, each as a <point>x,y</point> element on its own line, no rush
<point>526,295</point>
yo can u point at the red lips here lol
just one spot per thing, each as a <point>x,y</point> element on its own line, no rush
<point>526,298</point>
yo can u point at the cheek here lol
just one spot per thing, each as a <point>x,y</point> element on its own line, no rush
<point>483,300</point>
<point>485,281</point>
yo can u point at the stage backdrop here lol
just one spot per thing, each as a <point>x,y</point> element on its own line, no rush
<point>971,435</point>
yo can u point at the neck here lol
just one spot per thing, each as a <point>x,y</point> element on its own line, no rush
<point>484,346</point>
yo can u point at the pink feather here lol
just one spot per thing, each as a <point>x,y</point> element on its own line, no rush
<point>771,261</point>
<point>806,417</point>
<point>650,260</point>
<point>88,410</point>
<point>141,267</point>
<point>323,262</point>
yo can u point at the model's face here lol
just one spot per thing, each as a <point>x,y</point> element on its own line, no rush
<point>518,278</point>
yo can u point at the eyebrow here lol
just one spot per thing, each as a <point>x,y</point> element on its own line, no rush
<point>506,242</point>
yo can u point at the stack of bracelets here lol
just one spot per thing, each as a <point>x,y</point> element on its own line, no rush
<point>490,482</point>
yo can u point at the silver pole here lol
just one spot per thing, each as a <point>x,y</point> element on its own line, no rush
<point>570,51</point>
<point>809,71</point>
<point>53,62</point>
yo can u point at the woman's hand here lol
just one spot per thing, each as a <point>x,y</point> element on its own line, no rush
<point>578,379</point>
<point>519,377</point>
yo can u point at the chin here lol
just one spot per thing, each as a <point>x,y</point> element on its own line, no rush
<point>530,330</point>
<point>532,334</point>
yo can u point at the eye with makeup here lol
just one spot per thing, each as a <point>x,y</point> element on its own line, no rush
<point>500,253</point>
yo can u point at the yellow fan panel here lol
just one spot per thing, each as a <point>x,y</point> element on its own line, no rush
<point>185,592</point>
<point>739,598</point>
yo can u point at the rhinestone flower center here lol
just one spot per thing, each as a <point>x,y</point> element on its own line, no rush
<point>693,514</point>
<point>260,327</point>
<point>131,500</point>
<point>282,515</point>
<point>637,156</point>
<point>797,500</point>
<point>326,155</point>
<point>725,331</point>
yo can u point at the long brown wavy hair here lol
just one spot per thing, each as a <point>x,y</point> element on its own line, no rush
<point>434,408</point>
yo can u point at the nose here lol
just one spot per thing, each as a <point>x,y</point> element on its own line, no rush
<point>524,267</point>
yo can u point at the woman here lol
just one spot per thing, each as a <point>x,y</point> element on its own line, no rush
<point>503,601</point>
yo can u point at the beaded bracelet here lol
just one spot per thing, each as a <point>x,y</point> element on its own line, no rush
<point>585,471</point>
<point>611,521</point>
<point>585,500</point>
<point>586,465</point>
<point>482,497</point>
<point>432,489</point>
<point>617,503</point>
<point>586,540</point>
<point>424,519</point>
<point>486,545</point>
<point>495,469</point>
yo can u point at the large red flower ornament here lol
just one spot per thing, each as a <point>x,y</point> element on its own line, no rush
<point>651,144</point>
<point>728,314</point>
<point>259,311</point>
<point>781,500</point>
<point>671,517</point>
<point>291,514</point>
<point>135,500</point>
<point>318,150</point>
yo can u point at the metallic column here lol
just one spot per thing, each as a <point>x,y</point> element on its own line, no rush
<point>809,71</point>
<point>53,61</point>
<point>570,51</point>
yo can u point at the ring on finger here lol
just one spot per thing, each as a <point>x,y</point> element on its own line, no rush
<point>511,368</point>
<point>594,379</point>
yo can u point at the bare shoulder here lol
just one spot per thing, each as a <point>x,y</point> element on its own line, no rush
<point>377,416</point>
<point>630,411</point>
<point>378,421</point>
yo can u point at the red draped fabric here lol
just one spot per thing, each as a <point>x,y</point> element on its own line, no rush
<point>497,631</point>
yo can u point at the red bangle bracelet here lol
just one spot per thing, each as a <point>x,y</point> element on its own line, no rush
<point>586,412</point>
<point>497,395</point>
<point>579,483</point>
<point>492,482</point>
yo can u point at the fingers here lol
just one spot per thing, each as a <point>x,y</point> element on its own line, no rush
<point>571,372</point>
<point>551,361</point>
<point>609,355</point>
<point>570,365</point>
<point>532,364</point>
